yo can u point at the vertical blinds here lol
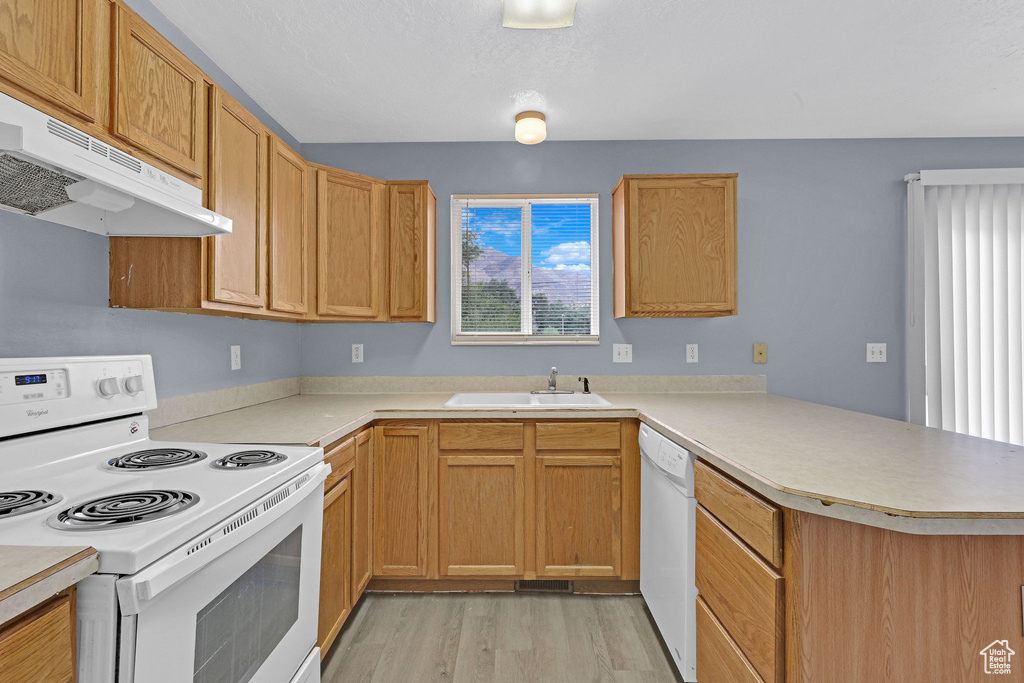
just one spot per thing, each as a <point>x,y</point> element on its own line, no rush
<point>526,270</point>
<point>965,244</point>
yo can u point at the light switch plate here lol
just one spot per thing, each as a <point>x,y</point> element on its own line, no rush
<point>760,352</point>
<point>236,357</point>
<point>357,353</point>
<point>876,353</point>
<point>622,353</point>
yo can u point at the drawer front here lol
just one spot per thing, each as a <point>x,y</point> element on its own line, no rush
<point>341,458</point>
<point>576,436</point>
<point>41,646</point>
<point>480,436</point>
<point>744,592</point>
<point>754,519</point>
<point>719,658</point>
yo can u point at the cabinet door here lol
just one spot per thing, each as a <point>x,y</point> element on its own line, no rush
<point>237,189</point>
<point>682,246</point>
<point>350,246</point>
<point>362,514</point>
<point>41,645</point>
<point>287,235</point>
<point>46,47</point>
<point>412,270</point>
<point>335,563</point>
<point>482,499</point>
<point>579,518</point>
<point>400,501</point>
<point>159,96</point>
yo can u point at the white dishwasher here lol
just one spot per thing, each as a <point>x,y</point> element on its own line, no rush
<point>667,513</point>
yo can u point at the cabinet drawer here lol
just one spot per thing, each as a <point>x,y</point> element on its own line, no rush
<point>480,436</point>
<point>577,436</point>
<point>41,646</point>
<point>341,459</point>
<point>748,515</point>
<point>744,592</point>
<point>718,657</point>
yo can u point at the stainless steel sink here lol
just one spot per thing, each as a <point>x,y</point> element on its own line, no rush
<point>526,400</point>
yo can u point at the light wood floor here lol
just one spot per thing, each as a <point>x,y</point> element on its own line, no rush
<point>498,637</point>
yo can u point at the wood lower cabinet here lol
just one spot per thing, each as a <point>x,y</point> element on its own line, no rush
<point>477,504</point>
<point>237,188</point>
<point>335,563</point>
<point>47,48</point>
<point>674,246</point>
<point>351,246</point>
<point>482,511</point>
<point>288,242</point>
<point>362,513</point>
<point>40,645</point>
<point>345,560</point>
<point>400,501</point>
<point>579,515</point>
<point>159,96</point>
<point>412,230</point>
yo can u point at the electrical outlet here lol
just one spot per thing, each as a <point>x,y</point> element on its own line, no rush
<point>357,353</point>
<point>236,357</point>
<point>691,353</point>
<point>760,352</point>
<point>876,353</point>
<point>622,353</point>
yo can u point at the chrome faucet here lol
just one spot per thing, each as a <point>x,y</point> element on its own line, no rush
<point>551,379</point>
<point>551,385</point>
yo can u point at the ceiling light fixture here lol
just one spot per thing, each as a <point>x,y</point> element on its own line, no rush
<point>537,13</point>
<point>531,127</point>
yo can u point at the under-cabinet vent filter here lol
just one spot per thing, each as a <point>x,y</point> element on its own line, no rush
<point>543,586</point>
<point>31,188</point>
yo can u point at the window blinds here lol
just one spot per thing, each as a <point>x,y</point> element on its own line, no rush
<point>527,270</point>
<point>965,298</point>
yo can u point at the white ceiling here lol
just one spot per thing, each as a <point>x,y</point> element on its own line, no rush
<point>440,70</point>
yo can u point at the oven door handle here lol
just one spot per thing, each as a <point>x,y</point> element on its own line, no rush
<point>135,590</point>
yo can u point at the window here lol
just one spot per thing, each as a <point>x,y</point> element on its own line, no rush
<point>511,249</point>
<point>965,283</point>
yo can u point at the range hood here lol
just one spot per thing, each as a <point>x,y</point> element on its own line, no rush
<point>58,173</point>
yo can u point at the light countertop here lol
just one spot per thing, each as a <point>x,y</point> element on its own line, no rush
<point>805,456</point>
<point>29,575</point>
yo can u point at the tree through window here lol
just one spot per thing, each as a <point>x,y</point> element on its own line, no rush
<point>541,250</point>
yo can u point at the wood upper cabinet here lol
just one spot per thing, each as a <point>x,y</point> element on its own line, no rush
<point>335,563</point>
<point>40,646</point>
<point>48,48</point>
<point>362,513</point>
<point>579,515</point>
<point>674,244</point>
<point>412,272</point>
<point>400,509</point>
<point>159,96</point>
<point>351,245</point>
<point>287,238</point>
<point>237,188</point>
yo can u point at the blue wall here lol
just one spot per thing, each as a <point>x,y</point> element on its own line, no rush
<point>821,260</point>
<point>53,302</point>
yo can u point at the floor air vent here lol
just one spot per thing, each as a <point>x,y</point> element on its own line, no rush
<point>543,586</point>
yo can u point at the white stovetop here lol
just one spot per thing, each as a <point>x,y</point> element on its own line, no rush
<point>72,464</point>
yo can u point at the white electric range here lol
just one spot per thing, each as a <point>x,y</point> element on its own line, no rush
<point>209,554</point>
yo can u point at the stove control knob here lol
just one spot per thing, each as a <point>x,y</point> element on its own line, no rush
<point>132,384</point>
<point>108,387</point>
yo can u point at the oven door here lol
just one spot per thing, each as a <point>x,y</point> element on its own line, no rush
<point>244,611</point>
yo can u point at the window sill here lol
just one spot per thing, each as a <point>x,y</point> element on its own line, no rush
<point>525,340</point>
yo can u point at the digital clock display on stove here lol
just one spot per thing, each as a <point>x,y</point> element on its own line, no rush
<point>25,380</point>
